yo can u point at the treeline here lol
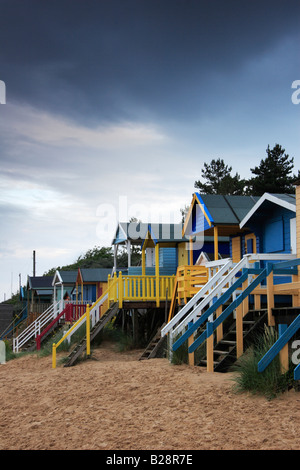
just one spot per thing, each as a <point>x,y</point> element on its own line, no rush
<point>100,257</point>
<point>273,175</point>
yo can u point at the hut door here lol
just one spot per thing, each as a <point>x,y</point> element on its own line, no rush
<point>236,249</point>
<point>183,254</point>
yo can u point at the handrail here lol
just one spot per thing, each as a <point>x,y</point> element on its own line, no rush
<point>297,372</point>
<point>13,324</point>
<point>287,334</point>
<point>223,298</point>
<point>65,311</point>
<point>217,289</point>
<point>189,279</point>
<point>173,301</point>
<point>190,304</point>
<point>279,344</point>
<point>212,326</point>
<point>34,328</point>
<point>212,289</point>
<point>141,288</point>
<point>65,336</point>
<point>91,311</point>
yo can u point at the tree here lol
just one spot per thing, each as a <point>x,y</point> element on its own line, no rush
<point>274,173</point>
<point>219,180</point>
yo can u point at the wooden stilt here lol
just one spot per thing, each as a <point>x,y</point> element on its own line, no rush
<point>239,331</point>
<point>190,341</point>
<point>284,353</point>
<point>210,348</point>
<point>220,327</point>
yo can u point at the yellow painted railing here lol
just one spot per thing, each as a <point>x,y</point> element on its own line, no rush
<point>140,288</point>
<point>84,318</point>
<point>190,279</point>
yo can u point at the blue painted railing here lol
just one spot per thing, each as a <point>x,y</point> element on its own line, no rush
<point>278,345</point>
<point>211,326</point>
<point>14,323</point>
<point>283,268</point>
<point>297,372</point>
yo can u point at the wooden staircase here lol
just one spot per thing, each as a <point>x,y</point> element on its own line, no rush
<point>225,350</point>
<point>81,346</point>
<point>154,346</point>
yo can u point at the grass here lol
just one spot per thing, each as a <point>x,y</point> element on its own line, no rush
<point>181,355</point>
<point>269,383</point>
<point>124,342</point>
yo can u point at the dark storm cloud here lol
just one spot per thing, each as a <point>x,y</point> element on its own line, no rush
<point>123,59</point>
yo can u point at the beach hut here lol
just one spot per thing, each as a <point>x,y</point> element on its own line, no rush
<point>218,216</point>
<point>272,223</point>
<point>39,295</point>
<point>91,283</point>
<point>63,284</point>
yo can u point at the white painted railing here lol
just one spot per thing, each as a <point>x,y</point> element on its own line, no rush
<point>94,316</point>
<point>202,294</point>
<point>36,327</point>
<point>214,288</point>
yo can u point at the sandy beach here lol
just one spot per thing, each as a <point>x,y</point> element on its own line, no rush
<point>115,402</point>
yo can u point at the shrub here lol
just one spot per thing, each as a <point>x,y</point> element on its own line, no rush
<point>271,381</point>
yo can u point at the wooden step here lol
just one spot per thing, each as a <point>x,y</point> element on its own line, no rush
<point>204,361</point>
<point>81,347</point>
<point>153,346</point>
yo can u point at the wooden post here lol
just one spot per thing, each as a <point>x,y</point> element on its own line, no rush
<point>191,251</point>
<point>143,261</point>
<point>257,302</point>
<point>120,289</point>
<point>220,327</point>
<point>295,297</point>
<point>53,356</point>
<point>157,274</point>
<point>239,331</point>
<point>216,244</point>
<point>245,303</point>
<point>135,327</point>
<point>88,331</point>
<point>210,347</point>
<point>284,353</point>
<point>190,341</point>
<point>270,299</point>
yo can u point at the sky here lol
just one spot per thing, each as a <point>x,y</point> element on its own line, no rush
<point>110,108</point>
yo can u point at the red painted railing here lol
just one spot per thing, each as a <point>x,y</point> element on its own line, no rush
<point>71,312</point>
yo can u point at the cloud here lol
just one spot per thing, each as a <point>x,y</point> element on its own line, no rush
<point>36,126</point>
<point>115,60</point>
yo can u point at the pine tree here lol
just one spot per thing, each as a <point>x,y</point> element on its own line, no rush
<point>274,174</point>
<point>219,180</point>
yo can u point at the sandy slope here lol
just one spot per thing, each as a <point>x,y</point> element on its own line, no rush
<point>119,403</point>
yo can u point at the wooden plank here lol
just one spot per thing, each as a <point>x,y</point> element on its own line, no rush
<point>270,298</point>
